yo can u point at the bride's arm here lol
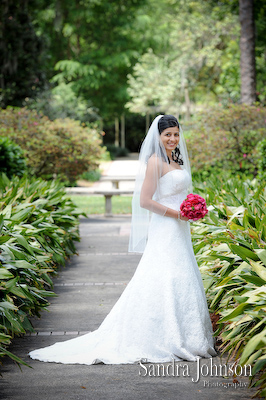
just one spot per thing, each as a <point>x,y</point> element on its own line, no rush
<point>148,190</point>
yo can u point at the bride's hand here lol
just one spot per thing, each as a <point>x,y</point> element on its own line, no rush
<point>182,217</point>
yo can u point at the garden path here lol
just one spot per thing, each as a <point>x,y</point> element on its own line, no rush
<point>87,289</point>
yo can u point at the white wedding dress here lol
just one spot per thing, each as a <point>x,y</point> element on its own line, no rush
<point>162,314</point>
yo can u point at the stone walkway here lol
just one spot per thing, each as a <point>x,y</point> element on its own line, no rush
<point>87,289</point>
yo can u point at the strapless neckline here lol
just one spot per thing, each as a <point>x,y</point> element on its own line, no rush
<point>177,169</point>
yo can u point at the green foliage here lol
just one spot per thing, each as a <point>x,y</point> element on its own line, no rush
<point>94,47</point>
<point>12,161</point>
<point>188,49</point>
<point>260,23</point>
<point>262,159</point>
<point>199,63</point>
<point>116,151</point>
<point>226,139</point>
<point>62,102</point>
<point>230,246</point>
<point>23,60</point>
<point>62,148</point>
<point>91,176</point>
<point>135,127</point>
<point>38,227</point>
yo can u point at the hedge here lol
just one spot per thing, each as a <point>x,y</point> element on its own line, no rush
<point>230,246</point>
<point>38,229</point>
<point>62,148</point>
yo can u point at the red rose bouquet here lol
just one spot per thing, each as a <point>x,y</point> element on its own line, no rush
<point>193,207</point>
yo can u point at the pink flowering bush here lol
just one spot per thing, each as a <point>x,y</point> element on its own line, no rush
<point>193,207</point>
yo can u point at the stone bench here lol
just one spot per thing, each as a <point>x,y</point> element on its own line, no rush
<point>117,179</point>
<point>80,190</point>
<point>108,194</point>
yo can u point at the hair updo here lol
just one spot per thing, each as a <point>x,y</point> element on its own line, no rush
<point>169,121</point>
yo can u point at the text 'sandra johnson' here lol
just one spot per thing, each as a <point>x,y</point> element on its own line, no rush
<point>202,370</point>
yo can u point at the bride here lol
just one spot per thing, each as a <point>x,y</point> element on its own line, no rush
<point>162,314</point>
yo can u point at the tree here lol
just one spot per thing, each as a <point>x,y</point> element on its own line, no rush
<point>21,54</point>
<point>260,24</point>
<point>199,65</point>
<point>102,46</point>
<point>247,49</point>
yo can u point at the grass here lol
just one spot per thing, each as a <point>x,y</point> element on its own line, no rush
<point>96,204</point>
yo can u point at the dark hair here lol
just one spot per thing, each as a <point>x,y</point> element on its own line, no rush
<point>169,121</point>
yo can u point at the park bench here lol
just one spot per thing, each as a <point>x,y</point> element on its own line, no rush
<point>79,190</point>
<point>108,194</point>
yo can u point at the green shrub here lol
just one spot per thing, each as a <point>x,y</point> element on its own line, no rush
<point>38,227</point>
<point>225,139</point>
<point>12,161</point>
<point>116,151</point>
<point>230,246</point>
<point>61,148</point>
<point>62,102</point>
<point>91,176</point>
<point>262,160</point>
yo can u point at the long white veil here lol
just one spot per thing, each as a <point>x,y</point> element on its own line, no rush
<point>152,146</point>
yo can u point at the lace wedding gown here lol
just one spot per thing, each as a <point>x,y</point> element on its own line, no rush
<point>162,314</point>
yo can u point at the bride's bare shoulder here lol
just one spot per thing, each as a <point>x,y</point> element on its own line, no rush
<point>154,161</point>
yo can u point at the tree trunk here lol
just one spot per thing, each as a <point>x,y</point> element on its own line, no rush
<point>187,102</point>
<point>147,121</point>
<point>184,88</point>
<point>247,52</point>
<point>123,132</point>
<point>116,132</point>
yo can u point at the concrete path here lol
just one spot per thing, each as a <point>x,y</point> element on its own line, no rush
<point>87,289</point>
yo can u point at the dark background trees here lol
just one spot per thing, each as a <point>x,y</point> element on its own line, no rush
<point>22,55</point>
<point>116,60</point>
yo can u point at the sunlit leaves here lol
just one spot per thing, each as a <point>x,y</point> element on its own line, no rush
<point>233,265</point>
<point>198,65</point>
<point>38,227</point>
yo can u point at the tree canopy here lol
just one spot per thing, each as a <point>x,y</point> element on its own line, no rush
<point>108,56</point>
